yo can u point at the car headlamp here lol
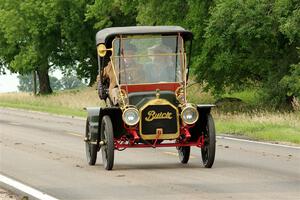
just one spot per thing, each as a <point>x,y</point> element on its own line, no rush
<point>131,116</point>
<point>189,115</point>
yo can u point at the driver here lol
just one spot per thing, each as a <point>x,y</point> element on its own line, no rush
<point>129,73</point>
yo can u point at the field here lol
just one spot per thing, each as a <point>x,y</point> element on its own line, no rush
<point>70,102</point>
<point>233,118</point>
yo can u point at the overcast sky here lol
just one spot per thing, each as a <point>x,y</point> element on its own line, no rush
<point>10,82</point>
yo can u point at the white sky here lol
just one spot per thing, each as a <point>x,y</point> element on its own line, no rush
<point>10,82</point>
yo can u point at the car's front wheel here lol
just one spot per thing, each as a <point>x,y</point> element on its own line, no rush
<point>209,148</point>
<point>107,137</point>
<point>184,154</point>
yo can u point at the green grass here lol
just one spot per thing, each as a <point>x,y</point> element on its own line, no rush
<point>276,127</point>
<point>248,96</point>
<point>69,102</point>
<point>249,118</point>
<point>254,124</point>
<point>42,108</point>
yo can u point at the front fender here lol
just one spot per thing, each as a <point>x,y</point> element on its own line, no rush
<point>93,118</point>
<point>95,115</point>
<point>200,126</point>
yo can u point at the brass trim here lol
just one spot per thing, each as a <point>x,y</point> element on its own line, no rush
<point>121,99</point>
<point>186,107</point>
<point>185,81</point>
<point>101,49</point>
<point>145,55</point>
<point>157,93</point>
<point>131,108</point>
<point>154,135</point>
<point>126,37</point>
<point>179,93</point>
<point>161,82</point>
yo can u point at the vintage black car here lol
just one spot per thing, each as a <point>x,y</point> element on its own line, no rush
<point>143,74</point>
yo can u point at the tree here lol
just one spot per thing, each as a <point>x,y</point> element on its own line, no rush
<point>26,83</point>
<point>156,12</point>
<point>2,68</point>
<point>31,35</point>
<point>55,83</point>
<point>101,14</point>
<point>251,43</point>
<point>71,82</point>
<point>38,35</point>
<point>108,13</point>
<point>190,14</point>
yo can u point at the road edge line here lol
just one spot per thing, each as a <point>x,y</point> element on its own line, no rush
<point>256,142</point>
<point>26,189</point>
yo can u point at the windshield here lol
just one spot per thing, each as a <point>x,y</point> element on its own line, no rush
<point>148,59</point>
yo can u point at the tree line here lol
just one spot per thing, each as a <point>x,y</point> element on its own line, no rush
<point>26,83</point>
<point>237,43</point>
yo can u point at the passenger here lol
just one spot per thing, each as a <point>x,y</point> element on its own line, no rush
<point>161,64</point>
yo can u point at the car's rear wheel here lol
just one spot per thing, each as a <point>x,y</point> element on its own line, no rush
<point>90,149</point>
<point>184,154</point>
<point>209,148</point>
<point>107,137</point>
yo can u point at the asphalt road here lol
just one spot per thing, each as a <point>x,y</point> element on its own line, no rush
<point>47,152</point>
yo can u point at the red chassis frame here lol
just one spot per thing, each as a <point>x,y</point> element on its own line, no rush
<point>124,142</point>
<point>182,141</point>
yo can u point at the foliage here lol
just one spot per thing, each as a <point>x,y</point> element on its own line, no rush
<point>41,34</point>
<point>55,83</point>
<point>71,82</point>
<point>111,13</point>
<point>237,44</point>
<point>25,83</point>
<point>156,12</point>
<point>291,81</point>
<point>251,43</point>
<point>65,83</point>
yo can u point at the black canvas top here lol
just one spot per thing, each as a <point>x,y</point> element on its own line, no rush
<point>107,34</point>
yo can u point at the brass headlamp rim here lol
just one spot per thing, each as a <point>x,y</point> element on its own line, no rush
<point>187,106</point>
<point>130,107</point>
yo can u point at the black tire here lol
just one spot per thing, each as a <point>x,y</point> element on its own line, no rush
<point>90,149</point>
<point>184,154</point>
<point>208,151</point>
<point>108,148</point>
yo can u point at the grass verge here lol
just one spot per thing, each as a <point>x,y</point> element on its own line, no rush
<point>49,108</point>
<point>69,102</point>
<point>257,125</point>
<point>263,126</point>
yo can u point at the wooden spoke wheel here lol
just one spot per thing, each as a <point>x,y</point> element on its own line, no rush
<point>108,147</point>
<point>209,148</point>
<point>184,154</point>
<point>90,149</point>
